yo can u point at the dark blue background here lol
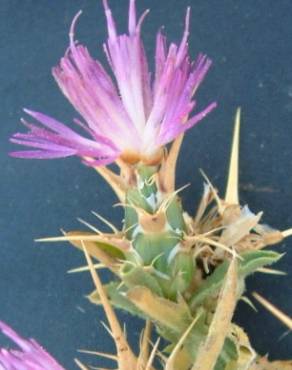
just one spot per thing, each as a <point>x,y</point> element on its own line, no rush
<point>250,44</point>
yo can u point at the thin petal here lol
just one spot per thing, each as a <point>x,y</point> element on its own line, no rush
<point>169,136</point>
<point>30,356</point>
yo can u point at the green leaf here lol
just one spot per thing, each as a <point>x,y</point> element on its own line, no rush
<point>256,259</point>
<point>147,187</point>
<point>174,316</point>
<point>131,219</point>
<point>111,250</point>
<point>135,198</point>
<point>117,298</point>
<point>156,247</point>
<point>228,356</point>
<point>136,275</point>
<point>174,215</point>
<point>250,262</point>
<point>182,269</point>
<point>188,351</point>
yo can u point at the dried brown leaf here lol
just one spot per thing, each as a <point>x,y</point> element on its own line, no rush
<point>209,351</point>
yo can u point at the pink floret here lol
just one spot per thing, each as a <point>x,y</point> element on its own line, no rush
<point>132,112</point>
<point>29,356</point>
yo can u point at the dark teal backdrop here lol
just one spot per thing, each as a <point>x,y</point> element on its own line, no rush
<point>250,44</point>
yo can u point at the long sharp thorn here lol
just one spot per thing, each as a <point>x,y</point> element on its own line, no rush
<point>111,316</point>
<point>286,320</point>
<point>167,201</point>
<point>100,354</point>
<point>266,270</point>
<point>231,196</point>
<point>105,221</point>
<point>152,355</point>
<point>214,193</point>
<point>168,172</point>
<point>246,300</point>
<point>287,233</point>
<point>107,329</point>
<point>113,180</point>
<point>118,243</point>
<point>210,350</point>
<point>144,345</point>
<point>91,227</point>
<point>98,266</point>
<point>125,356</point>
<point>81,366</point>
<point>217,244</point>
<point>170,363</point>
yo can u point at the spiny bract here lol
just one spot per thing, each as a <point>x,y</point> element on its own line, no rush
<point>183,274</point>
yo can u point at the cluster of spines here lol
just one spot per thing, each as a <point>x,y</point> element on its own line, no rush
<point>183,274</point>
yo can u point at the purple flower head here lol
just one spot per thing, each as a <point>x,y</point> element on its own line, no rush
<point>30,356</point>
<point>131,117</point>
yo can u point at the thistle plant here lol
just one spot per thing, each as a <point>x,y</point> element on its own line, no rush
<point>183,274</point>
